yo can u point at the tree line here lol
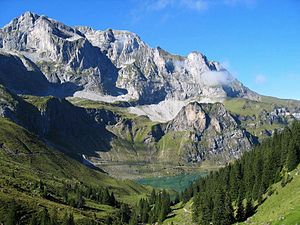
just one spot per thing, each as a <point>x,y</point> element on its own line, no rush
<point>151,210</point>
<point>228,195</point>
<point>74,195</point>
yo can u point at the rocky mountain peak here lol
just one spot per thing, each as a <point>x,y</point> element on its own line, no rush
<point>99,61</point>
<point>213,130</point>
<point>200,116</point>
<point>26,20</point>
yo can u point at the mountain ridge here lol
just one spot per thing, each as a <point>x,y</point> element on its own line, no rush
<point>116,63</point>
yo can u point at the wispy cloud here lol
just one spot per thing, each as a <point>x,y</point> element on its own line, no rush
<point>196,5</point>
<point>260,79</point>
<point>168,8</point>
<point>239,2</point>
<point>158,4</point>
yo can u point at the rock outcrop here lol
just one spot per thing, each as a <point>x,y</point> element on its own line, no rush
<point>216,132</point>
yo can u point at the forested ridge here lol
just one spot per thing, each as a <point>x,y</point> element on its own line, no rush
<point>230,194</point>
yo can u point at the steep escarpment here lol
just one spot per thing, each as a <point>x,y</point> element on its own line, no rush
<point>68,127</point>
<point>161,75</point>
<point>214,132</point>
<point>21,75</point>
<point>61,52</point>
<point>115,63</point>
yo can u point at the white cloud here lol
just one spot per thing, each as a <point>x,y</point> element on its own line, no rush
<point>215,78</point>
<point>260,79</point>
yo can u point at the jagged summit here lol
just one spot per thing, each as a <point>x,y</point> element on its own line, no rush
<point>114,65</point>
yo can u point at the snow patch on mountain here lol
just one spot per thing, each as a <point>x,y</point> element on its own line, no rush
<point>165,110</point>
<point>101,98</point>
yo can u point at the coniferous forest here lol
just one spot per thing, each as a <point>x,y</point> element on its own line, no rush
<point>230,194</point>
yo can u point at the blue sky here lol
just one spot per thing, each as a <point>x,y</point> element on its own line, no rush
<point>258,40</point>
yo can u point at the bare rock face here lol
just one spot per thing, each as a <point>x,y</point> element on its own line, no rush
<point>19,73</point>
<point>192,117</point>
<point>113,62</point>
<point>161,75</point>
<point>216,133</point>
<point>62,53</point>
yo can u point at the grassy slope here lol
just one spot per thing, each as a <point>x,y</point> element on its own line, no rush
<point>85,103</point>
<point>37,101</point>
<point>24,160</point>
<point>173,141</point>
<point>181,214</point>
<point>283,206</point>
<point>246,107</point>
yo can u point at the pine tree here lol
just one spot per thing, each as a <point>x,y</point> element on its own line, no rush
<point>205,209</point>
<point>240,212</point>
<point>44,217</point>
<point>133,220</point>
<point>112,200</point>
<point>228,210</point>
<point>249,208</point>
<point>177,199</point>
<point>222,211</point>
<point>248,178</point>
<point>125,213</point>
<point>68,219</point>
<point>142,211</point>
<point>152,197</point>
<point>106,197</point>
<point>33,220</point>
<point>80,201</point>
<point>11,214</point>
<point>292,158</point>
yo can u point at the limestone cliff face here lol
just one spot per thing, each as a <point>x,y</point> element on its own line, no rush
<point>61,52</point>
<point>216,132</point>
<point>161,75</point>
<point>114,62</point>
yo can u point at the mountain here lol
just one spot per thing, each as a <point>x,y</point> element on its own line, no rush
<point>80,106</point>
<point>115,63</point>
<point>137,104</point>
<point>214,129</point>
